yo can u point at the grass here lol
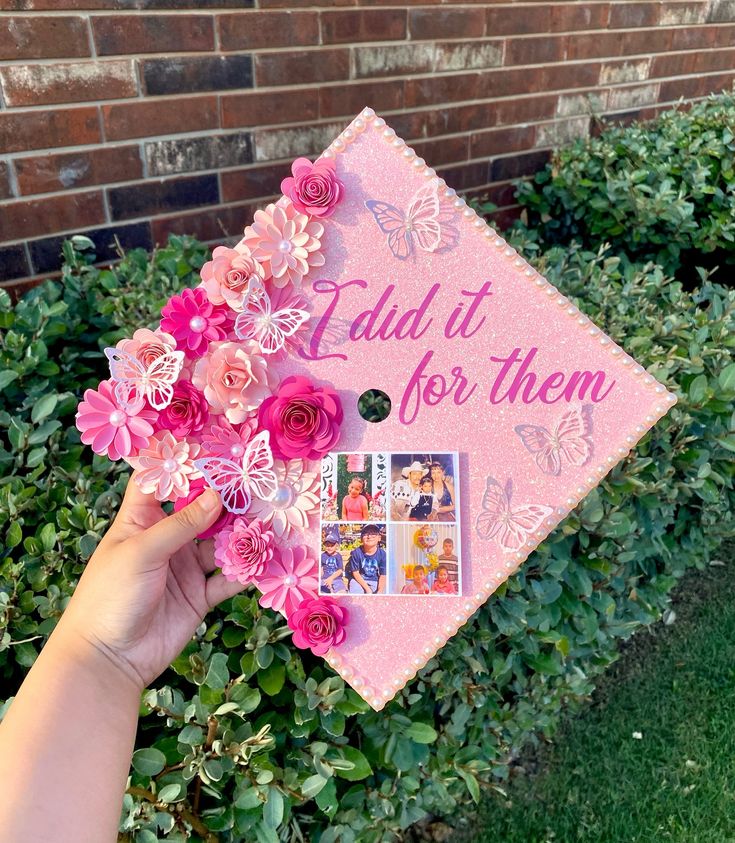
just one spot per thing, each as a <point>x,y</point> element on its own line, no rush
<point>653,757</point>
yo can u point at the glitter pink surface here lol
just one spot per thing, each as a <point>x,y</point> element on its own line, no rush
<point>390,637</point>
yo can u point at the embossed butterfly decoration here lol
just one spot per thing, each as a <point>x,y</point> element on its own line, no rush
<point>135,382</point>
<point>568,443</point>
<point>237,482</point>
<point>259,322</point>
<point>510,526</point>
<point>420,225</point>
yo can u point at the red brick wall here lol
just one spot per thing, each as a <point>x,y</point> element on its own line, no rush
<point>136,118</point>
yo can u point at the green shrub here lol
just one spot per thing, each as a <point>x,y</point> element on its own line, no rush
<point>662,190</point>
<point>247,738</point>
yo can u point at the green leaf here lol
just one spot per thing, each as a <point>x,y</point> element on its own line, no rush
<point>148,762</point>
<point>273,808</point>
<point>7,377</point>
<point>360,770</point>
<point>698,389</point>
<point>726,379</point>
<point>326,799</point>
<point>44,407</point>
<point>422,733</point>
<point>217,675</point>
<point>313,785</point>
<point>271,680</point>
<point>47,537</point>
<point>14,536</point>
<point>247,698</point>
<point>172,793</point>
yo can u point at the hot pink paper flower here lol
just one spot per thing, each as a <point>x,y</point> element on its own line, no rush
<point>289,578</point>
<point>285,241</point>
<point>304,420</point>
<point>244,550</point>
<point>319,624</point>
<point>234,378</point>
<point>165,466</point>
<point>109,429</point>
<point>226,277</point>
<point>221,439</point>
<point>147,346</point>
<point>187,413</point>
<point>296,501</point>
<point>314,188</point>
<point>194,321</point>
<point>196,488</point>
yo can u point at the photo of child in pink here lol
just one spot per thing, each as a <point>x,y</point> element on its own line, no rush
<point>419,584</point>
<point>354,503</point>
<point>442,583</point>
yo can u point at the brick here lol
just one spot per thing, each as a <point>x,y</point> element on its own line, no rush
<point>621,99</point>
<point>209,226</point>
<point>674,64</point>
<point>435,24</point>
<point>254,182</point>
<point>40,37</point>
<point>393,59</point>
<point>572,17</point>
<point>49,173</point>
<point>528,109</point>
<point>710,60</point>
<point>347,100</point>
<point>440,151</point>
<point>126,5</point>
<point>468,55</point>
<point>442,121</point>
<point>517,21</point>
<point>721,11</point>
<point>699,86</point>
<point>347,26</point>
<point>187,155</point>
<point>304,4</point>
<point>26,130</point>
<point>432,90</point>
<point>701,37</point>
<point>263,109</point>
<point>143,118</point>
<point>500,141</point>
<point>630,15</point>
<point>500,194</point>
<point>504,218</point>
<point>272,144</point>
<point>513,166</point>
<point>46,253</point>
<point>151,198</point>
<point>32,217</point>
<point>562,132</point>
<point>190,75</point>
<point>121,34</point>
<point>329,65</point>
<point>626,71</point>
<point>681,14</point>
<point>465,176</point>
<point>611,44</point>
<point>13,263</point>
<point>543,50</point>
<point>5,189</point>
<point>256,29</point>
<point>37,84</point>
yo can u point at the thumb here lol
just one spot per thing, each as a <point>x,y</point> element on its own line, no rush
<point>182,527</point>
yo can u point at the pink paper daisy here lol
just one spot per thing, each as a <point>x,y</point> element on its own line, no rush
<point>289,578</point>
<point>243,551</point>
<point>194,321</point>
<point>221,439</point>
<point>165,466</point>
<point>109,429</point>
<point>296,500</point>
<point>285,242</point>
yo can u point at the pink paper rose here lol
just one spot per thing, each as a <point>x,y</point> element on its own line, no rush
<point>244,550</point>
<point>196,488</point>
<point>303,419</point>
<point>226,277</point>
<point>235,379</point>
<point>318,624</point>
<point>147,346</point>
<point>187,413</point>
<point>313,188</point>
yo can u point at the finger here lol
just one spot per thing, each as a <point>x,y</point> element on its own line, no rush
<point>205,554</point>
<point>137,512</point>
<point>217,589</point>
<point>173,532</point>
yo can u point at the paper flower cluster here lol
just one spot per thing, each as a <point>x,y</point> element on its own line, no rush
<point>199,402</point>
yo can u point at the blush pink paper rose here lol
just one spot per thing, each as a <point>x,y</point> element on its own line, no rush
<point>227,276</point>
<point>314,188</point>
<point>187,413</point>
<point>147,346</point>
<point>196,488</point>
<point>318,624</point>
<point>289,578</point>
<point>234,378</point>
<point>304,420</point>
<point>109,429</point>
<point>244,550</point>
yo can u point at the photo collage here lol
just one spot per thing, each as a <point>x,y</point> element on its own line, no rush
<point>390,524</point>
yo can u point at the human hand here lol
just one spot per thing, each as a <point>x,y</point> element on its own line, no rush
<point>146,588</point>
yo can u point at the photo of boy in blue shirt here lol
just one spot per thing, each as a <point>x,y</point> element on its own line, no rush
<point>367,563</point>
<point>332,565</point>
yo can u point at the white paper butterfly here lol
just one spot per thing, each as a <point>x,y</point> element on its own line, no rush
<point>568,444</point>
<point>134,381</point>
<point>420,223</point>
<point>510,526</point>
<point>268,328</point>
<point>238,482</point>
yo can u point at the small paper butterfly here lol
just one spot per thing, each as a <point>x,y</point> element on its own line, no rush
<point>510,526</point>
<point>258,322</point>
<point>569,444</point>
<point>420,222</point>
<point>134,381</point>
<point>237,482</point>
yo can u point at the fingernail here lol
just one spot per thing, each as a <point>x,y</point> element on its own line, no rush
<point>209,500</point>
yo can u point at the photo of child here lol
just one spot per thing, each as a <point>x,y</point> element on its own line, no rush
<point>354,487</point>
<point>418,585</point>
<point>442,583</point>
<point>448,560</point>
<point>423,559</point>
<point>332,563</point>
<point>367,563</point>
<point>424,487</point>
<point>423,502</point>
<point>354,503</point>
